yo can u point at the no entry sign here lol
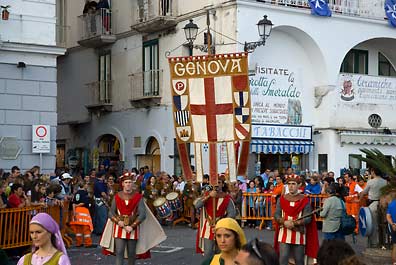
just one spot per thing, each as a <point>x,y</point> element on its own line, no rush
<point>41,139</point>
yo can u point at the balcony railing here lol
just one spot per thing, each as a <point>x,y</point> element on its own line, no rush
<point>373,9</point>
<point>154,15</point>
<point>146,88</point>
<point>100,95</point>
<point>96,28</point>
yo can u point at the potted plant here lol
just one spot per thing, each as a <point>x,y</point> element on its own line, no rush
<point>5,13</point>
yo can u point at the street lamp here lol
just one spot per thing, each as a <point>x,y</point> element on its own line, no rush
<point>191,31</point>
<point>264,27</point>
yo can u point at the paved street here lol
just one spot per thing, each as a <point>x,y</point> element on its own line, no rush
<point>179,248</point>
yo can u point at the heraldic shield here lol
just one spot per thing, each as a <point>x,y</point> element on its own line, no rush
<point>211,105</point>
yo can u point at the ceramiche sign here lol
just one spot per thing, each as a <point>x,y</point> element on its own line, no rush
<point>367,89</point>
<point>276,96</point>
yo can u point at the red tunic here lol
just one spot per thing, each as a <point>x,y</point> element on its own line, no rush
<point>127,207</point>
<point>291,211</point>
<point>205,230</point>
<point>311,232</point>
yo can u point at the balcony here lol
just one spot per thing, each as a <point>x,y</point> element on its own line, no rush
<point>155,15</point>
<point>370,9</point>
<point>146,88</point>
<point>100,96</point>
<point>96,29</point>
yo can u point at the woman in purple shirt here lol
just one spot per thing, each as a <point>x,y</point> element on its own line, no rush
<point>47,240</point>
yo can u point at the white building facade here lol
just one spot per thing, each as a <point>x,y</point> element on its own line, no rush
<point>28,81</point>
<point>312,60</point>
<point>114,96</point>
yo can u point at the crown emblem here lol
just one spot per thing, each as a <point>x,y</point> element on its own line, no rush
<point>184,133</point>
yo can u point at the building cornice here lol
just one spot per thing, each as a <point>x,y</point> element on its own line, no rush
<point>31,48</point>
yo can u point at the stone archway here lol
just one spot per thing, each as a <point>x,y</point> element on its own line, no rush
<point>108,153</point>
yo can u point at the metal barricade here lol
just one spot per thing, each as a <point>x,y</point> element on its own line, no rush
<point>14,224</point>
<point>261,206</point>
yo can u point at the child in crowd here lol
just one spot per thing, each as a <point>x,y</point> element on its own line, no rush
<point>251,202</point>
<point>268,190</point>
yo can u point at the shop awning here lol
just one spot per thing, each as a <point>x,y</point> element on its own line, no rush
<point>367,137</point>
<point>267,146</point>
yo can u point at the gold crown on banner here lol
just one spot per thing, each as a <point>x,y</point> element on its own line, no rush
<point>293,177</point>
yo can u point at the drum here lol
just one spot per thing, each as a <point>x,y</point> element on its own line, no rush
<point>174,201</point>
<point>196,201</point>
<point>162,207</point>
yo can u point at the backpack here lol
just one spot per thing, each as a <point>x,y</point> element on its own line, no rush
<point>348,222</point>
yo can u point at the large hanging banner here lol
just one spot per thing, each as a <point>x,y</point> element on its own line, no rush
<point>211,105</point>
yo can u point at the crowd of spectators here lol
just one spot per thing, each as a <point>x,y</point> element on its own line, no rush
<point>31,188</point>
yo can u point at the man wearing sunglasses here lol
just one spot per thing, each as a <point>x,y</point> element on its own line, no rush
<point>257,253</point>
<point>294,225</point>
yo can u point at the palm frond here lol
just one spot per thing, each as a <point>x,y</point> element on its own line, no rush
<point>377,159</point>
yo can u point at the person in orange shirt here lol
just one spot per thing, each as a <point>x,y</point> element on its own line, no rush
<point>279,187</point>
<point>279,190</point>
<point>352,200</point>
<point>82,221</point>
<point>350,183</point>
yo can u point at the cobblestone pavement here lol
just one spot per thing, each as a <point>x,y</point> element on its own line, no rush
<point>179,248</point>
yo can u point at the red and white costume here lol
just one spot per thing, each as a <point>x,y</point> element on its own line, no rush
<point>209,217</point>
<point>292,210</point>
<point>149,233</point>
<point>127,207</point>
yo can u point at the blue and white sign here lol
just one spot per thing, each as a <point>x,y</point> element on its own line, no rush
<point>365,221</point>
<point>390,11</point>
<point>320,8</point>
<point>285,132</point>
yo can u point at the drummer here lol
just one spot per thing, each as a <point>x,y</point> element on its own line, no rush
<point>165,185</point>
<point>191,191</point>
<point>151,192</point>
<point>215,204</point>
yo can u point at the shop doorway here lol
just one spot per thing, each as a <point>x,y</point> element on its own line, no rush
<point>60,156</point>
<point>281,162</point>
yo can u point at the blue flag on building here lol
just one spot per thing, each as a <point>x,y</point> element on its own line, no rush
<point>320,8</point>
<point>390,11</point>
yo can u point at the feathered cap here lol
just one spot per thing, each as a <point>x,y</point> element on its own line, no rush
<point>126,176</point>
<point>293,177</point>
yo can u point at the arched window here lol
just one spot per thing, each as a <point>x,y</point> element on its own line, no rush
<point>355,62</point>
<point>385,68</point>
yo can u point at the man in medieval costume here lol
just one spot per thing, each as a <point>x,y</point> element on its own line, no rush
<point>215,204</point>
<point>295,225</point>
<point>131,228</point>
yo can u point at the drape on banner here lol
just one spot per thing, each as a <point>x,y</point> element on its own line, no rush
<point>211,104</point>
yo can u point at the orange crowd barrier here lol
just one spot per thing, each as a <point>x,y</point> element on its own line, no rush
<point>14,224</point>
<point>261,206</point>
